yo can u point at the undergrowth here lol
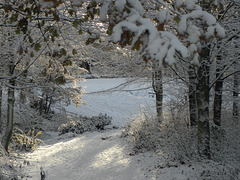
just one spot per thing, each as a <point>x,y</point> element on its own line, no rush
<point>84,124</point>
<point>176,142</point>
<point>148,134</point>
<point>22,141</point>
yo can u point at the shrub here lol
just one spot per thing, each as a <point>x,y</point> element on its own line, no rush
<point>27,142</point>
<point>143,131</point>
<point>173,141</point>
<point>84,123</point>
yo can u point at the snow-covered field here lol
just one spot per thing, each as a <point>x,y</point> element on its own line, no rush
<point>107,155</point>
<point>120,98</point>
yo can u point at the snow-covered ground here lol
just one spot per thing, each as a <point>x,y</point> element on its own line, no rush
<point>91,156</point>
<point>97,155</point>
<point>107,155</point>
<point>103,96</point>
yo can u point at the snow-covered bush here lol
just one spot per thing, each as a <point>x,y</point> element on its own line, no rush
<point>84,123</point>
<point>144,132</point>
<point>72,126</point>
<point>27,142</point>
<point>147,134</point>
<point>225,142</point>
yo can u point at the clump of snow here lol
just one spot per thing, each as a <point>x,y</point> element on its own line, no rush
<point>118,30</point>
<point>120,4</point>
<point>104,10</point>
<point>163,16</point>
<point>77,2</point>
<point>46,4</point>
<point>195,60</point>
<point>192,49</point>
<point>220,31</point>
<point>178,3</point>
<point>164,48</point>
<point>208,18</point>
<point>136,5</point>
<point>191,4</point>
<point>186,26</point>
<point>210,32</point>
<point>194,33</point>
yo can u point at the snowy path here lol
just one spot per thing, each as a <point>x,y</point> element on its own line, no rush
<point>92,156</point>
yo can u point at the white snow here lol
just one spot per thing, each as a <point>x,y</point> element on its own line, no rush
<point>163,16</point>
<point>220,31</point>
<point>77,2</point>
<point>104,10</point>
<point>88,156</point>
<point>105,155</point>
<point>190,4</point>
<point>120,104</point>
<point>137,6</point>
<point>46,4</point>
<point>85,157</point>
<point>120,4</point>
<point>195,60</point>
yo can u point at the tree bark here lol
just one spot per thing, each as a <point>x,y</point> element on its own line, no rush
<point>157,85</point>
<point>217,107</point>
<point>192,96</point>
<point>203,104</point>
<point>10,110</point>
<point>10,116</point>
<point>236,94</point>
<point>1,121</point>
<point>236,78</point>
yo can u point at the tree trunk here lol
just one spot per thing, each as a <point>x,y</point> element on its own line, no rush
<point>203,90</point>
<point>1,121</point>
<point>236,94</point>
<point>49,105</point>
<point>10,116</point>
<point>192,96</point>
<point>10,110</point>
<point>203,104</point>
<point>157,85</point>
<point>217,107</point>
<point>41,104</point>
<point>236,78</point>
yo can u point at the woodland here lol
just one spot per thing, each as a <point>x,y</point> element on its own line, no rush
<point>186,51</point>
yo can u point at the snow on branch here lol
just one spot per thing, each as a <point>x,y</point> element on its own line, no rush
<point>132,25</point>
<point>144,36</point>
<point>197,26</point>
<point>155,45</point>
<point>213,28</point>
